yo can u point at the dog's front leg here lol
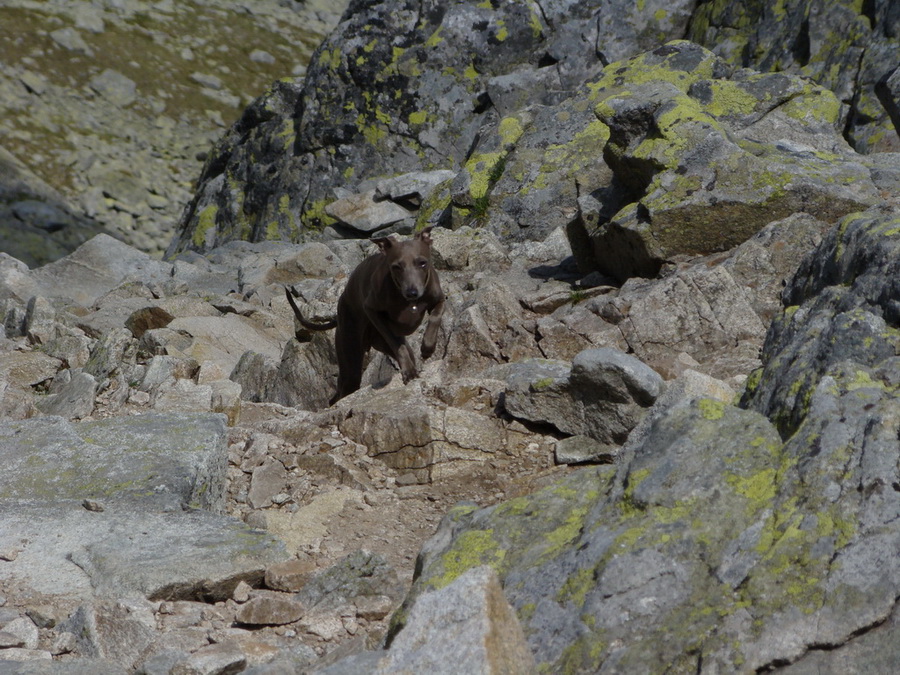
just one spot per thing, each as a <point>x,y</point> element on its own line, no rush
<point>432,328</point>
<point>397,347</point>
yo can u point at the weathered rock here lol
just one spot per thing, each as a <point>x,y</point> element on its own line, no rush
<point>583,450</point>
<point>162,369</point>
<point>270,608</point>
<point>603,395</point>
<point>225,339</point>
<point>699,311</point>
<point>360,575</point>
<point>171,459</point>
<point>215,659</point>
<point>115,87</point>
<point>840,308</point>
<point>411,188</point>
<point>294,380</point>
<point>689,386</point>
<point>363,213</point>
<point>407,433</point>
<point>95,268</point>
<point>686,144</point>
<point>454,53</point>
<point>118,631</point>
<point>290,575</point>
<point>468,626</point>
<point>182,395</point>
<point>815,41</point>
<point>72,400</point>
<point>268,480</point>
<point>146,318</point>
<point>800,528</point>
<point>25,631</point>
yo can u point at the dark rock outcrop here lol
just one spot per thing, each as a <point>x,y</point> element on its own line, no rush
<point>550,118</point>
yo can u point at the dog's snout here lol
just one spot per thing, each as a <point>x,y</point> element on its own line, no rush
<point>412,292</point>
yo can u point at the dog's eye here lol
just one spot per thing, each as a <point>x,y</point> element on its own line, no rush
<point>422,263</point>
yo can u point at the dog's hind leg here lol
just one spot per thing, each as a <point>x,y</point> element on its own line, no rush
<point>350,354</point>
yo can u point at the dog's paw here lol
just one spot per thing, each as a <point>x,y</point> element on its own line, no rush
<point>408,375</point>
<point>427,350</point>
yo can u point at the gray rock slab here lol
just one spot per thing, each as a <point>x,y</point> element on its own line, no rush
<point>74,401</point>
<point>95,268</point>
<point>615,376</point>
<point>603,394</point>
<point>583,449</point>
<point>467,627</point>
<point>362,212</point>
<point>70,552</point>
<point>168,459</point>
<point>417,185</point>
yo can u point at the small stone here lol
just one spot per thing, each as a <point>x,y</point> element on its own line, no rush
<point>242,592</point>
<point>115,87</point>
<point>583,449</point>
<point>146,319</point>
<point>291,575</point>
<point>267,481</point>
<point>256,519</point>
<point>270,608</point>
<point>24,629</point>
<point>43,616</point>
<point>34,82</point>
<point>93,505</point>
<point>214,659</point>
<point>373,607</point>
<point>9,553</point>
<point>69,38</point>
<point>208,81</point>
<point>64,643</point>
<point>261,56</point>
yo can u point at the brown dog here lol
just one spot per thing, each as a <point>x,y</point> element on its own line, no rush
<point>385,300</point>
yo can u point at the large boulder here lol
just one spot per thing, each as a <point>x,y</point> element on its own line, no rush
<point>603,394</point>
<point>75,496</point>
<point>841,320</point>
<point>849,48</point>
<point>706,158</point>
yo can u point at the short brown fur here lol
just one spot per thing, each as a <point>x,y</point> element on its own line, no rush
<point>386,299</point>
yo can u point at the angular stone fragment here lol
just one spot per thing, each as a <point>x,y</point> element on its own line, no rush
<point>290,575</point>
<point>467,627</point>
<point>362,212</point>
<point>603,394</point>
<point>270,608</point>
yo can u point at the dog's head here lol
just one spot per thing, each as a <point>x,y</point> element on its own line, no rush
<point>409,262</point>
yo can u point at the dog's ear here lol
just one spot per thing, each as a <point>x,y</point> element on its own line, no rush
<point>384,243</point>
<point>425,235</point>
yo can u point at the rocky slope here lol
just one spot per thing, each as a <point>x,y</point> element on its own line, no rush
<point>173,477</point>
<point>660,430</point>
<point>506,96</point>
<point>114,105</point>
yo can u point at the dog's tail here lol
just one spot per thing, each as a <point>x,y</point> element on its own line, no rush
<point>306,323</point>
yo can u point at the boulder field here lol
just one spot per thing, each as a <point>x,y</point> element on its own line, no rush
<point>660,429</point>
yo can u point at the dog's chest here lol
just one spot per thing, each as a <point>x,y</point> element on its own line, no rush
<point>410,316</point>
